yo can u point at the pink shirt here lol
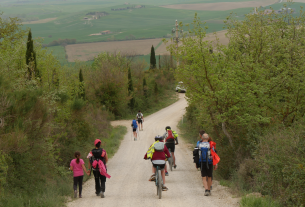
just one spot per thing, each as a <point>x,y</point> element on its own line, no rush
<point>77,168</point>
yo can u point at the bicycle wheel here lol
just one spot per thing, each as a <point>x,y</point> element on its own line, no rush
<point>160,184</point>
<point>157,180</point>
<point>170,161</point>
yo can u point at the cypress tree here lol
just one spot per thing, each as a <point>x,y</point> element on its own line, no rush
<point>159,62</point>
<point>144,87</point>
<point>30,57</point>
<point>82,93</point>
<point>152,58</point>
<point>130,89</point>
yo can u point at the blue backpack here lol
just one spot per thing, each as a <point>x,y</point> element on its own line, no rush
<point>134,124</point>
<point>204,152</point>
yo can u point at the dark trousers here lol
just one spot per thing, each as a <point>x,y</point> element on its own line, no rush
<point>78,180</point>
<point>100,181</point>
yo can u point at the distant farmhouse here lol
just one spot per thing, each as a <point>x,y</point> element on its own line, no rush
<point>129,7</point>
<point>95,15</point>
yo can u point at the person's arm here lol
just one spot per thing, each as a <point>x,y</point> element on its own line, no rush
<point>166,151</point>
<point>84,168</point>
<point>176,141</point>
<point>106,157</point>
<point>215,167</point>
<point>71,167</point>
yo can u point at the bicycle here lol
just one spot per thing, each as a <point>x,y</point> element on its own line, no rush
<point>170,160</point>
<point>159,165</point>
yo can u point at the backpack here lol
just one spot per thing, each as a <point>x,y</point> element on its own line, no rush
<point>134,124</point>
<point>159,146</point>
<point>175,134</point>
<point>205,152</point>
<point>139,116</point>
<point>98,154</point>
<point>170,137</point>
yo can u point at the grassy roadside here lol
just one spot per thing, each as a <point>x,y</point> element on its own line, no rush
<point>58,189</point>
<point>249,199</point>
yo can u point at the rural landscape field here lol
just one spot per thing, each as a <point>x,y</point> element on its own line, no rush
<point>67,27</point>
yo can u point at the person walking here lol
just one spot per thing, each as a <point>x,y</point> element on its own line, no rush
<point>206,161</point>
<point>97,160</point>
<point>134,126</point>
<point>77,165</point>
<point>140,118</point>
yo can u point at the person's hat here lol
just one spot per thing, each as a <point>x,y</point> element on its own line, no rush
<point>97,141</point>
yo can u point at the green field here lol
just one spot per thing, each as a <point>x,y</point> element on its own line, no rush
<point>149,22</point>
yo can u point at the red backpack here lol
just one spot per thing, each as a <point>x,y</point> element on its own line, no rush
<point>170,137</point>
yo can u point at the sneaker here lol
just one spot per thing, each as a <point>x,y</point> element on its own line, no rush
<point>102,195</point>
<point>210,193</point>
<point>175,166</point>
<point>164,188</point>
<point>98,194</point>
<point>80,196</point>
<point>166,173</point>
<point>152,178</point>
<point>206,193</point>
<point>75,194</point>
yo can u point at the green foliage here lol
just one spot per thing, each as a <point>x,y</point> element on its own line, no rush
<point>130,90</point>
<point>240,91</point>
<point>152,58</point>
<point>253,201</point>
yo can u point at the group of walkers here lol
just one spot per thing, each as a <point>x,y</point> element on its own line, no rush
<point>97,163</point>
<point>135,123</point>
<point>204,155</point>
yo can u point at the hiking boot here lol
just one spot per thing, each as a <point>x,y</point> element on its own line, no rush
<point>164,188</point>
<point>206,193</point>
<point>80,196</point>
<point>175,166</point>
<point>102,195</point>
<point>98,194</point>
<point>75,194</point>
<point>166,173</point>
<point>210,193</point>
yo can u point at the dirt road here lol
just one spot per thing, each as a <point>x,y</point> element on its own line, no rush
<point>129,185</point>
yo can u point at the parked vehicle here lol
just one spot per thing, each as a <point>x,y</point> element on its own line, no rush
<point>180,87</point>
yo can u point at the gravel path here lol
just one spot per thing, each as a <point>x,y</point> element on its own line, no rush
<point>129,185</point>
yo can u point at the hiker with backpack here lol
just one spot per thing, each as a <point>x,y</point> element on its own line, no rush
<point>140,118</point>
<point>158,152</point>
<point>207,160</point>
<point>97,162</point>
<point>134,126</point>
<point>171,139</point>
<point>77,165</point>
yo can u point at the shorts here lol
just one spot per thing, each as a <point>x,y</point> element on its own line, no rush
<point>134,129</point>
<point>170,146</point>
<point>205,172</point>
<point>140,121</point>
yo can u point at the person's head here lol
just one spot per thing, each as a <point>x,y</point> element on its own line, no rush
<point>158,138</point>
<point>139,111</point>
<point>210,139</point>
<point>204,137</point>
<point>168,128</point>
<point>77,156</point>
<point>97,143</point>
<point>201,132</point>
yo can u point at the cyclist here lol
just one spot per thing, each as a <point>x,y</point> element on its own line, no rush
<point>134,125</point>
<point>140,118</point>
<point>171,139</point>
<point>154,154</point>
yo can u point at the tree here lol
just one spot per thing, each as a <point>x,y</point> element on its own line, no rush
<point>152,58</point>
<point>159,62</point>
<point>31,58</point>
<point>144,87</point>
<point>82,93</point>
<point>130,90</point>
